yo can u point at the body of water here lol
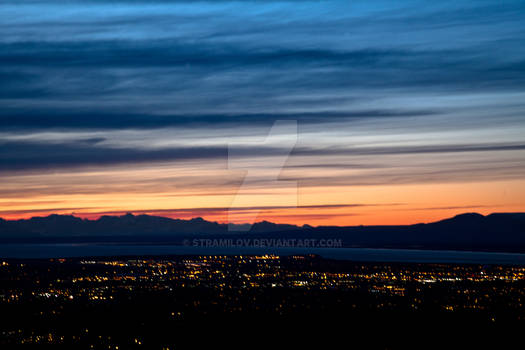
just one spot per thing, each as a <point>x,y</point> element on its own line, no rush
<point>355,254</point>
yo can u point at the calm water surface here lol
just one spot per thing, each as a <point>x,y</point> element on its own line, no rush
<point>356,254</point>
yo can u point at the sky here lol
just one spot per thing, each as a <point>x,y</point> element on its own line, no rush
<point>317,112</point>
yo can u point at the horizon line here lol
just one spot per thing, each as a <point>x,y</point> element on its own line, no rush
<point>243,223</point>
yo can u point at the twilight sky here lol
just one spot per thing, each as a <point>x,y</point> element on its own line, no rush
<point>320,112</point>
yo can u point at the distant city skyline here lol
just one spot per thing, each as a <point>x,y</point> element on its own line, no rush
<point>404,112</point>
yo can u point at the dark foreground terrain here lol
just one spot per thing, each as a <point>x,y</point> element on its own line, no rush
<point>257,301</point>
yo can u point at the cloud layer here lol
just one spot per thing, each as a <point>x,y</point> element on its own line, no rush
<point>384,93</point>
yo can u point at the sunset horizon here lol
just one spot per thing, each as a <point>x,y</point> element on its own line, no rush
<point>298,112</point>
<point>223,218</point>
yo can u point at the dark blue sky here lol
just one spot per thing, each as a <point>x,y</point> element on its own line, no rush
<point>414,92</point>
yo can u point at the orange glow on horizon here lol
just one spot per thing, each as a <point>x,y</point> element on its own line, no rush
<point>365,205</point>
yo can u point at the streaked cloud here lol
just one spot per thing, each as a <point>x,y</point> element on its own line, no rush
<point>140,100</point>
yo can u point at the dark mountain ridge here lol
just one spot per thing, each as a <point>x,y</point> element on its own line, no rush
<point>129,225</point>
<point>470,231</point>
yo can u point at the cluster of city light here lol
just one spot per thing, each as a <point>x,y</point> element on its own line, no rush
<point>104,280</point>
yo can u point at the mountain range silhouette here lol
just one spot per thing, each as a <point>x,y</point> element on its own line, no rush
<point>469,231</point>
